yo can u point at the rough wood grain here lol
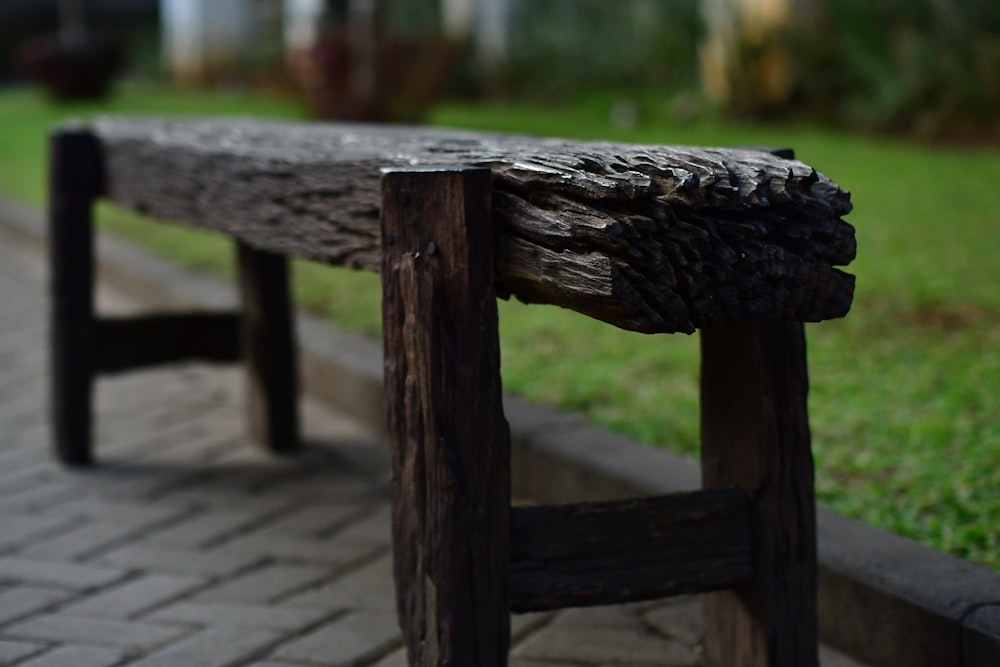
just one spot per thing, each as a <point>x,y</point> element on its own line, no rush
<point>755,435</point>
<point>628,550</point>
<point>75,180</point>
<point>137,341</point>
<point>649,238</point>
<point>451,443</point>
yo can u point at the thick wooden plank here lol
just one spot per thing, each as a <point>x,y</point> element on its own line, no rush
<point>126,343</point>
<point>628,550</point>
<point>451,443</point>
<point>649,238</point>
<point>268,344</point>
<point>755,435</point>
<point>75,179</point>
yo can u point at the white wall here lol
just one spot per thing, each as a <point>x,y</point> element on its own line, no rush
<point>204,38</point>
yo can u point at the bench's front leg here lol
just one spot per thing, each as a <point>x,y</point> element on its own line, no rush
<point>451,443</point>
<point>267,340</point>
<point>755,435</point>
<point>75,180</point>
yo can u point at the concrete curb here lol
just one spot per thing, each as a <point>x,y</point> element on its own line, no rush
<point>884,599</point>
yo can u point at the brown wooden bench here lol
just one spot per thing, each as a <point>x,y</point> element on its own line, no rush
<point>741,244</point>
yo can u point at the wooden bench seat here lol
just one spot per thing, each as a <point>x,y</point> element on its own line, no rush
<point>740,243</point>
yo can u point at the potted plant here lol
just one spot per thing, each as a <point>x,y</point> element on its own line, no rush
<point>75,63</point>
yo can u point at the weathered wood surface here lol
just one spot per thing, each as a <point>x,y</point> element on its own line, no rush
<point>450,441</point>
<point>138,341</point>
<point>755,435</point>
<point>628,550</point>
<point>649,238</point>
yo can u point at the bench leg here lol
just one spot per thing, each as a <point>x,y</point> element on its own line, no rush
<point>74,183</point>
<point>755,435</point>
<point>451,443</point>
<point>267,340</point>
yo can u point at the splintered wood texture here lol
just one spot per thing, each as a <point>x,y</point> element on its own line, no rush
<point>648,238</point>
<point>450,441</point>
<point>628,550</point>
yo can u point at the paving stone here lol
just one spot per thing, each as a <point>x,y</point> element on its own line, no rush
<point>831,658</point>
<point>395,659</point>
<point>63,575</point>
<point>12,651</point>
<point>239,615</point>
<point>78,656</point>
<point>125,514</point>
<point>217,647</point>
<point>265,584</point>
<point>180,561</point>
<point>522,625</point>
<point>203,528</point>
<point>78,542</point>
<point>353,639</point>
<point>376,529</point>
<point>47,495</point>
<point>133,597</point>
<point>21,469</point>
<point>66,628</point>
<point>595,644</point>
<point>21,601</point>
<point>369,587</point>
<point>19,530</point>
<point>316,519</point>
<point>679,619</point>
<point>331,552</point>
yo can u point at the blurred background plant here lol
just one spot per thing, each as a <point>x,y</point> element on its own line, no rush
<point>927,68</point>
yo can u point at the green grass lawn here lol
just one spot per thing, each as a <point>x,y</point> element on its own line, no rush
<point>905,390</point>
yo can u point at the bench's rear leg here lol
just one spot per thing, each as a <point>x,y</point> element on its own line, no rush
<point>75,180</point>
<point>755,435</point>
<point>451,443</point>
<point>267,340</point>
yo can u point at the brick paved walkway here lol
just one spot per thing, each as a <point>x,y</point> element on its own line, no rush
<point>187,547</point>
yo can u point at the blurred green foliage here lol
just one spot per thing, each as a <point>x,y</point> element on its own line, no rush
<point>924,66</point>
<point>560,47</point>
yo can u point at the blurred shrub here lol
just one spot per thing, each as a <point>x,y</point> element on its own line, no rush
<point>930,67</point>
<point>73,69</point>
<point>563,47</point>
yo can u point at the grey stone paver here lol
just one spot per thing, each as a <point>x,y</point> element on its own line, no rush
<point>54,573</point>
<point>265,584</point>
<point>18,529</point>
<point>333,553</point>
<point>368,587</point>
<point>678,619</point>
<point>353,639</point>
<point>604,635</point>
<point>19,601</point>
<point>187,547</point>
<point>66,628</point>
<point>133,597</point>
<point>201,529</point>
<point>216,647</point>
<point>238,615</point>
<point>78,541</point>
<point>178,561</point>
<point>78,656</point>
<point>12,650</point>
